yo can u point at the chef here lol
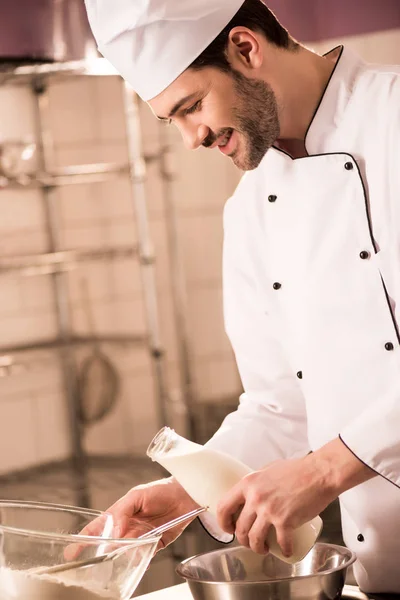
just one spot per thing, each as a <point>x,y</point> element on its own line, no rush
<point>311,264</point>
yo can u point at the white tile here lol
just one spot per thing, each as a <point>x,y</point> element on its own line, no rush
<point>17,434</point>
<point>96,277</point>
<point>26,328</point>
<point>201,240</point>
<point>114,152</point>
<point>52,426</point>
<point>86,235</point>
<point>142,419</point>
<point>111,119</point>
<point>17,113</point>
<point>11,294</point>
<point>204,179</point>
<point>217,378</point>
<point>74,110</point>
<point>24,241</point>
<point>122,232</point>
<point>21,209</point>
<point>82,153</point>
<point>119,317</point>
<point>108,436</point>
<point>79,203</point>
<point>126,277</point>
<point>90,152</point>
<point>150,127</point>
<point>129,359</point>
<point>205,315</point>
<point>117,198</point>
<point>37,294</point>
<point>33,371</point>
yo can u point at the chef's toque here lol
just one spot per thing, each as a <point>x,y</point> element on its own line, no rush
<point>151,42</point>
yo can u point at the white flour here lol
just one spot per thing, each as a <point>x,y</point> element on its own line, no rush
<point>21,585</point>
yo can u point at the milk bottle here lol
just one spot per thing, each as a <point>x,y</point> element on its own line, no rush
<point>208,474</point>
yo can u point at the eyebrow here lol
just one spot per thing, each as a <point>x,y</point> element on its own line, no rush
<point>179,105</point>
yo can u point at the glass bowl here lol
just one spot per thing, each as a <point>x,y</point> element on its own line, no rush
<point>35,535</point>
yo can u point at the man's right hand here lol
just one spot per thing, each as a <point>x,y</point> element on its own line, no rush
<point>154,504</point>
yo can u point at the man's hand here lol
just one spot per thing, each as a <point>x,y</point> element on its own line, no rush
<point>151,504</point>
<point>287,494</point>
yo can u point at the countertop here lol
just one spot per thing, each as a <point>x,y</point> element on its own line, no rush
<point>175,592</point>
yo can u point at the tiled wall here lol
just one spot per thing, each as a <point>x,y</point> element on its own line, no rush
<point>88,126</point>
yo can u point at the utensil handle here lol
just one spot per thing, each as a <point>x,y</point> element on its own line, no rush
<point>173,523</point>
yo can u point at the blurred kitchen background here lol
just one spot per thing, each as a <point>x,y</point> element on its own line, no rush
<point>110,261</point>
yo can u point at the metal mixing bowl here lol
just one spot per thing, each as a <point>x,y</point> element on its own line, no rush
<point>239,574</point>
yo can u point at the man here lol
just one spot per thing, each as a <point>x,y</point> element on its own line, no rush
<point>311,264</point>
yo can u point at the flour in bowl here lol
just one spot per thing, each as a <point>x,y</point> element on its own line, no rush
<point>22,585</point>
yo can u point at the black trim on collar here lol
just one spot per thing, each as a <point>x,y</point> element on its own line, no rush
<point>324,92</point>
<point>320,100</point>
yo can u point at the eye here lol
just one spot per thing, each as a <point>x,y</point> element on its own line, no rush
<point>167,122</point>
<point>196,106</point>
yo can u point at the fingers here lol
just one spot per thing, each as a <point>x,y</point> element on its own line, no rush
<point>258,536</point>
<point>244,524</point>
<point>229,509</point>
<point>102,526</point>
<point>284,537</point>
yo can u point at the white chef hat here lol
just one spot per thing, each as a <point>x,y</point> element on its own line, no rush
<point>151,42</point>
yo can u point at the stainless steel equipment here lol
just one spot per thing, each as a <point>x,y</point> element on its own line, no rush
<point>239,574</point>
<point>45,30</point>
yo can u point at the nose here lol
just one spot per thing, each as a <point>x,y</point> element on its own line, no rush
<point>193,135</point>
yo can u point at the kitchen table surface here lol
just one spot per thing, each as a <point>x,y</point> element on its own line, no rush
<point>175,592</point>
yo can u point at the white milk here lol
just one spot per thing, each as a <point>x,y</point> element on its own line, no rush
<point>207,475</point>
<point>22,585</point>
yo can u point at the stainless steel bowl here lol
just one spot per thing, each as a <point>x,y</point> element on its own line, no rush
<point>238,574</point>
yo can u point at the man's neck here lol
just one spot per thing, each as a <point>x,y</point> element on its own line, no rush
<point>302,89</point>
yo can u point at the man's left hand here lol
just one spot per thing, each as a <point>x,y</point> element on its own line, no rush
<point>287,494</point>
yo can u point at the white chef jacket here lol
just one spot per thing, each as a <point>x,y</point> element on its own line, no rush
<point>312,305</point>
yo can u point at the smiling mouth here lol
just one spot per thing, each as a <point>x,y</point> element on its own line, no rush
<point>225,140</point>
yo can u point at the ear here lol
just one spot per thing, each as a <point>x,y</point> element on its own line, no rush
<point>245,50</point>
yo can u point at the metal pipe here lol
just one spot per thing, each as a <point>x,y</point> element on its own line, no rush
<point>73,341</point>
<point>72,175</point>
<point>138,177</point>
<point>55,262</point>
<point>179,292</point>
<point>37,74</point>
<point>60,290</point>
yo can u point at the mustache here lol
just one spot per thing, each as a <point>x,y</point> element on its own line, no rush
<point>213,137</point>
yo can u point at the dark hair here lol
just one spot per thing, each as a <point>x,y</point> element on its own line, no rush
<point>254,15</point>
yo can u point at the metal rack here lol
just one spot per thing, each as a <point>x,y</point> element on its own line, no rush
<point>56,262</point>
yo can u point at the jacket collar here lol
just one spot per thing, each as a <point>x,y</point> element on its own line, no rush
<point>334,100</point>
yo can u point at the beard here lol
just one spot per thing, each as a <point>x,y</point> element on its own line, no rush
<point>256,118</point>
